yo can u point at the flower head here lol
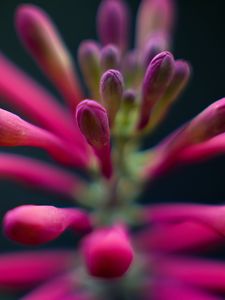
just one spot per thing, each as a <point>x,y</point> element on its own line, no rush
<point>121,243</point>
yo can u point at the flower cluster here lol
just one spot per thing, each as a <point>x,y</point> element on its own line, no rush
<point>126,250</point>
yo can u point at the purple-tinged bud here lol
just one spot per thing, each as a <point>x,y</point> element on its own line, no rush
<point>35,225</point>
<point>154,16</point>
<point>108,253</point>
<point>111,90</point>
<point>89,60</point>
<point>156,44</point>
<point>42,40</point>
<point>93,122</point>
<point>113,23</point>
<point>157,78</point>
<point>110,58</point>
<point>132,70</point>
<point>178,83</point>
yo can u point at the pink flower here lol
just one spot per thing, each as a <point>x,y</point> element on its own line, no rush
<point>125,250</point>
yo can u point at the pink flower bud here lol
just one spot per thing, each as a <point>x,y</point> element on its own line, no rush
<point>14,131</point>
<point>42,40</point>
<point>35,225</point>
<point>89,60</point>
<point>93,122</point>
<point>111,90</point>
<point>154,16</point>
<point>157,78</point>
<point>107,253</point>
<point>110,58</point>
<point>113,23</point>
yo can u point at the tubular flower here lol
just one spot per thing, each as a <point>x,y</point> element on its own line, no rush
<point>125,250</point>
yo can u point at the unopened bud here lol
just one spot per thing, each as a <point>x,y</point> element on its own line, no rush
<point>93,122</point>
<point>156,44</point>
<point>89,60</point>
<point>41,39</point>
<point>154,16</point>
<point>111,90</point>
<point>113,23</point>
<point>35,225</point>
<point>157,78</point>
<point>110,58</point>
<point>107,253</point>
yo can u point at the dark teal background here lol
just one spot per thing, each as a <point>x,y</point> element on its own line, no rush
<point>199,38</point>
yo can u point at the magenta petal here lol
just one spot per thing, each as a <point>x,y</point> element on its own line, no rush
<point>203,151</point>
<point>25,269</point>
<point>181,237</point>
<point>42,40</point>
<point>169,290</point>
<point>23,93</point>
<point>35,225</point>
<point>205,274</point>
<point>39,174</point>
<point>56,289</point>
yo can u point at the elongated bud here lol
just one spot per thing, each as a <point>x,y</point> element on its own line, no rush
<point>157,78</point>
<point>93,122</point>
<point>154,16</point>
<point>110,58</point>
<point>107,253</point>
<point>40,175</point>
<point>178,83</point>
<point>14,131</point>
<point>156,44</point>
<point>210,215</point>
<point>89,60</point>
<point>42,40</point>
<point>35,225</point>
<point>113,23</point>
<point>111,90</point>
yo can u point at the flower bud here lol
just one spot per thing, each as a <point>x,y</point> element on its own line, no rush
<point>93,122</point>
<point>113,23</point>
<point>35,225</point>
<point>110,58</point>
<point>178,83</point>
<point>111,90</point>
<point>42,40</point>
<point>154,16</point>
<point>14,131</point>
<point>89,60</point>
<point>107,253</point>
<point>157,78</point>
<point>156,44</point>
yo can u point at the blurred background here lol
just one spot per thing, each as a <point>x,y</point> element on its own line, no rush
<point>199,38</point>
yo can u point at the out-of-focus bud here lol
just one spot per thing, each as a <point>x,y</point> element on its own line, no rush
<point>89,60</point>
<point>14,131</point>
<point>111,90</point>
<point>157,78</point>
<point>93,122</point>
<point>113,23</point>
<point>154,16</point>
<point>178,83</point>
<point>110,58</point>
<point>108,253</point>
<point>42,40</point>
<point>35,225</point>
<point>157,43</point>
<point>132,70</point>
